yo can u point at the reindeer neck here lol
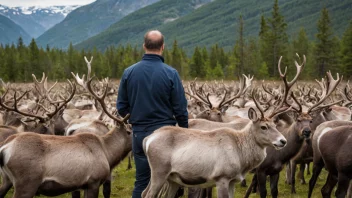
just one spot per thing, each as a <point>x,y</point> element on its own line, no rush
<point>116,146</point>
<point>294,142</point>
<point>252,152</point>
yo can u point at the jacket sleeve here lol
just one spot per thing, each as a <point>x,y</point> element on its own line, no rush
<point>122,104</point>
<point>179,102</point>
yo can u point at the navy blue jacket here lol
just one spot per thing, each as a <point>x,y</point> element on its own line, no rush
<point>152,92</point>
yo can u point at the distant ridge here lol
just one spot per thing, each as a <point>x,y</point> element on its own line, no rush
<point>10,32</point>
<point>88,21</point>
<point>217,22</point>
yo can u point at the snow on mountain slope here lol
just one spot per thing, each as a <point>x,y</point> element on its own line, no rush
<point>35,19</point>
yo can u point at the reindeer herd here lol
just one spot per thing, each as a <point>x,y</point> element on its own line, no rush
<point>65,137</point>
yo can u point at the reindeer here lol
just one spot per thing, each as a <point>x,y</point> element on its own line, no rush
<point>215,109</point>
<point>318,160</point>
<point>87,160</point>
<point>245,149</point>
<point>89,125</point>
<point>320,113</point>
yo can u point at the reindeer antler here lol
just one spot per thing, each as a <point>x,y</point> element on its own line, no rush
<point>101,98</point>
<point>327,87</point>
<point>47,116</point>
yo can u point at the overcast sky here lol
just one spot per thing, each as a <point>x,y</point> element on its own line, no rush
<point>13,3</point>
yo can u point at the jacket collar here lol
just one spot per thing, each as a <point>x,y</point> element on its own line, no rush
<point>153,57</point>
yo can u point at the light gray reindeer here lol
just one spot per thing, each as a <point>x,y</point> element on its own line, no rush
<point>195,158</point>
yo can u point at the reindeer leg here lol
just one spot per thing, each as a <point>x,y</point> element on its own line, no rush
<point>251,186</point>
<point>316,171</point>
<point>342,186</point>
<point>308,169</point>
<point>23,190</point>
<point>222,187</point>
<point>329,186</point>
<point>107,187</point>
<point>209,192</point>
<point>157,181</point>
<point>288,173</point>
<point>293,178</point>
<point>261,176</point>
<point>232,189</point>
<point>243,183</point>
<point>92,191</point>
<point>274,180</point>
<point>5,186</point>
<point>129,166</point>
<point>301,173</point>
<point>76,194</point>
<point>172,189</point>
<point>349,191</point>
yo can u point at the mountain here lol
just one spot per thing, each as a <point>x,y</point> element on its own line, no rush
<point>217,22</point>
<point>132,27</point>
<point>10,32</point>
<point>36,20</point>
<point>89,20</point>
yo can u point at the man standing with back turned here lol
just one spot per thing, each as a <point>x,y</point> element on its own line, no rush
<point>152,93</point>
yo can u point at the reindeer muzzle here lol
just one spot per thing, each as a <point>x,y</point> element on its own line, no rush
<point>306,133</point>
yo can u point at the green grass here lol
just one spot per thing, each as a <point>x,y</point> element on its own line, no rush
<point>124,179</point>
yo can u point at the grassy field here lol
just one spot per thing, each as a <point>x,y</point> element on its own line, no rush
<point>123,185</point>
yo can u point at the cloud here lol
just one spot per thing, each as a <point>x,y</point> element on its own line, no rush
<point>13,3</point>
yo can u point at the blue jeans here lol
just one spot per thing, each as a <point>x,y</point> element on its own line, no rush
<point>141,161</point>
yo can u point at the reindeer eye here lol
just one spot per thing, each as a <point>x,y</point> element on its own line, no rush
<point>263,128</point>
<point>311,121</point>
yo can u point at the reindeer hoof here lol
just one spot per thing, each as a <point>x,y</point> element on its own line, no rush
<point>243,183</point>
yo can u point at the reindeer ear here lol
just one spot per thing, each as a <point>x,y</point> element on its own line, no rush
<point>224,108</point>
<point>252,114</point>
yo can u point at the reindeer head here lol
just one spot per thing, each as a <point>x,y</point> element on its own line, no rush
<point>264,128</point>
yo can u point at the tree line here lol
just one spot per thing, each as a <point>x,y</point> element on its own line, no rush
<point>258,55</point>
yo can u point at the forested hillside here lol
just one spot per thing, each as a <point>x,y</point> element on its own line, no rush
<point>88,21</point>
<point>257,55</point>
<point>10,32</point>
<point>132,27</point>
<point>217,21</point>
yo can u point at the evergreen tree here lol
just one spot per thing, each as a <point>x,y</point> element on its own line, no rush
<point>213,56</point>
<point>324,44</point>
<point>346,51</point>
<point>176,58</point>
<point>239,48</point>
<point>264,42</point>
<point>277,40</point>
<point>34,66</point>
<point>197,66</point>
<point>301,46</point>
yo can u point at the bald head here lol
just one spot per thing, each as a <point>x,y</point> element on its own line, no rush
<point>153,41</point>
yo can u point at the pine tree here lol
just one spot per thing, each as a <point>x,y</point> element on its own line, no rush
<point>34,66</point>
<point>197,66</point>
<point>324,44</point>
<point>264,41</point>
<point>277,39</point>
<point>176,58</point>
<point>346,51</point>
<point>239,48</point>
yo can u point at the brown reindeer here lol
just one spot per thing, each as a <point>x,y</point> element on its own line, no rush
<point>319,161</point>
<point>86,160</point>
